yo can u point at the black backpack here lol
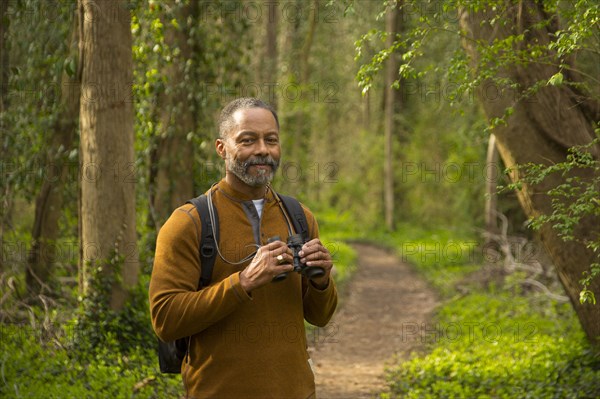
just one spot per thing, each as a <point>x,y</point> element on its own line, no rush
<point>172,353</point>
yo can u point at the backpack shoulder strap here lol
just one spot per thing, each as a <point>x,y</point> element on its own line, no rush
<point>296,213</point>
<point>208,241</point>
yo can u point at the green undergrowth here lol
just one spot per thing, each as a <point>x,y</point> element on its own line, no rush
<point>35,367</point>
<point>488,341</point>
<point>499,345</point>
<point>71,353</point>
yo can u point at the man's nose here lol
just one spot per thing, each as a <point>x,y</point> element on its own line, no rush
<point>261,147</point>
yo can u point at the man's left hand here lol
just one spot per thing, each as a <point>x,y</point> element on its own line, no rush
<point>313,253</point>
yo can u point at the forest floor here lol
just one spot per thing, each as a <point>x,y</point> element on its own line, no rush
<point>381,319</point>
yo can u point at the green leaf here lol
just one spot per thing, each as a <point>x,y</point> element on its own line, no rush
<point>70,67</point>
<point>556,79</point>
<point>587,296</point>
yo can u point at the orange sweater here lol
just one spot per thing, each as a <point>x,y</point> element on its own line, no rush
<point>242,346</point>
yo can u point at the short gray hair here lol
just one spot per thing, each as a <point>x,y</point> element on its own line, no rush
<point>226,118</point>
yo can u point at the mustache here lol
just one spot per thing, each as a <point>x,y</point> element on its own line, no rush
<point>268,160</point>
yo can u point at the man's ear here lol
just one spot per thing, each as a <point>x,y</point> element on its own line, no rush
<point>220,147</point>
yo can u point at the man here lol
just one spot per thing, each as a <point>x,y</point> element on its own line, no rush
<point>248,338</point>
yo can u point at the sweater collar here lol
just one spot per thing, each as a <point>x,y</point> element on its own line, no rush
<point>230,192</point>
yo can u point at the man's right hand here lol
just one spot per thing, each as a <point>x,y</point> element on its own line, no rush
<point>265,265</point>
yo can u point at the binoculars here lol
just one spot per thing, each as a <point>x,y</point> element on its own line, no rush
<point>295,243</point>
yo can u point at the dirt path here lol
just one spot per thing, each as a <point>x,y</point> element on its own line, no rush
<point>383,304</point>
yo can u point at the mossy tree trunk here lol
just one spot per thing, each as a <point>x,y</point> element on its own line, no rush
<point>540,129</point>
<point>108,239</point>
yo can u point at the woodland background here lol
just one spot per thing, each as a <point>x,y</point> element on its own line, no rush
<point>399,121</point>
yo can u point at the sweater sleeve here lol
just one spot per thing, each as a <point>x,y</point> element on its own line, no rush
<point>319,305</point>
<point>177,308</point>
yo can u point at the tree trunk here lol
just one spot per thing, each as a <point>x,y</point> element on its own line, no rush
<point>172,175</point>
<point>108,232</point>
<point>297,119</point>
<point>49,201</point>
<point>269,69</point>
<point>4,73</point>
<point>540,130</point>
<point>491,196</point>
<point>391,74</point>
<point>4,24</point>
<point>304,131</point>
<point>308,42</point>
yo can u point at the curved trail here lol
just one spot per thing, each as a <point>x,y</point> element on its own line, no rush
<point>384,306</point>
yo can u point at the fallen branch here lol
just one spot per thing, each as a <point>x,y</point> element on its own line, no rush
<point>556,297</point>
<point>512,249</point>
<point>141,384</point>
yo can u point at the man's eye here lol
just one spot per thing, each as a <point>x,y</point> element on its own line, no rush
<point>272,141</point>
<point>246,141</point>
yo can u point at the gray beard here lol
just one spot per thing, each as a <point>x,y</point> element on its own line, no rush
<point>240,170</point>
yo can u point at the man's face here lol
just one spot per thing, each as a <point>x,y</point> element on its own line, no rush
<point>251,149</point>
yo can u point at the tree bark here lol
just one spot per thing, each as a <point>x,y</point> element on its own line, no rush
<point>172,171</point>
<point>49,201</point>
<point>270,64</point>
<point>297,119</point>
<point>5,203</point>
<point>108,231</point>
<point>4,24</point>
<point>491,196</point>
<point>4,72</point>
<point>390,97</point>
<point>308,42</point>
<point>540,130</point>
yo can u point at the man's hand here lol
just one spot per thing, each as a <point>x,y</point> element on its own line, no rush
<point>265,265</point>
<point>313,253</point>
